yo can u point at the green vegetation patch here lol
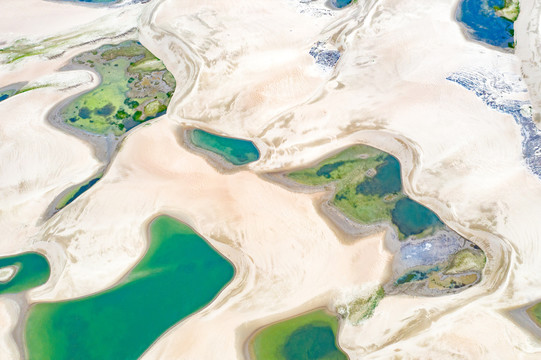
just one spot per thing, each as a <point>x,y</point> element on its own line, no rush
<point>310,336</point>
<point>509,10</point>
<point>534,312</point>
<point>135,87</point>
<point>361,308</point>
<point>466,260</point>
<point>368,189</point>
<point>462,269</point>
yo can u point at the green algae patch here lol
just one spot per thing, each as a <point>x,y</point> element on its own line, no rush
<point>462,269</point>
<point>31,270</point>
<point>466,260</point>
<point>180,274</point>
<point>235,151</point>
<point>368,189</point>
<point>76,192</point>
<point>534,312</point>
<point>509,10</point>
<point>135,87</point>
<point>311,336</point>
<point>360,308</point>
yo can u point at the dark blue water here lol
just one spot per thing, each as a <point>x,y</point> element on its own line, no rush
<point>482,23</point>
<point>340,3</point>
<point>70,198</point>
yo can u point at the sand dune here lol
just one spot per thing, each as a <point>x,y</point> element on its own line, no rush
<point>389,90</point>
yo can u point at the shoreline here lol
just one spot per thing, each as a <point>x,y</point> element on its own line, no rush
<point>218,294</point>
<point>25,304</point>
<point>217,161</point>
<point>464,29</point>
<point>521,317</point>
<point>248,354</point>
<point>105,146</point>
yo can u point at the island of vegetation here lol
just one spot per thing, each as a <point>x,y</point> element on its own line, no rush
<point>366,187</point>
<point>135,87</point>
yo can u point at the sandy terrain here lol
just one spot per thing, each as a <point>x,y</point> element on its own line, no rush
<point>528,49</point>
<point>389,90</point>
<point>9,312</point>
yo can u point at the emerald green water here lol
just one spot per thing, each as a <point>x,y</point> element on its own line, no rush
<point>307,337</point>
<point>236,151</point>
<point>180,274</point>
<point>412,218</point>
<point>32,270</point>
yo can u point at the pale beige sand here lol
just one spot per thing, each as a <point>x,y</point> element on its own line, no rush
<point>460,158</point>
<point>7,272</point>
<point>528,49</point>
<point>58,161</point>
<point>9,313</point>
<point>43,17</point>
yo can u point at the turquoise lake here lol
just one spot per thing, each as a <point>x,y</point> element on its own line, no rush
<point>412,218</point>
<point>235,151</point>
<point>179,275</point>
<point>32,270</point>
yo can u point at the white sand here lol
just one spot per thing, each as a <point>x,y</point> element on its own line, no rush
<point>9,312</point>
<point>6,273</point>
<point>528,49</point>
<point>459,157</point>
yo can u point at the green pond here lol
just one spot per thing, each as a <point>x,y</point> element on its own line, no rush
<point>368,188</point>
<point>235,151</point>
<point>135,87</point>
<point>535,313</point>
<point>32,269</point>
<point>76,192</point>
<point>179,275</point>
<point>310,336</point>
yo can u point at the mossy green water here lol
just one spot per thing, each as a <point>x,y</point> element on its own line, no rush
<point>76,192</point>
<point>135,87</point>
<point>32,269</point>
<point>368,189</point>
<point>180,274</point>
<point>310,336</point>
<point>235,151</point>
<point>534,312</point>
